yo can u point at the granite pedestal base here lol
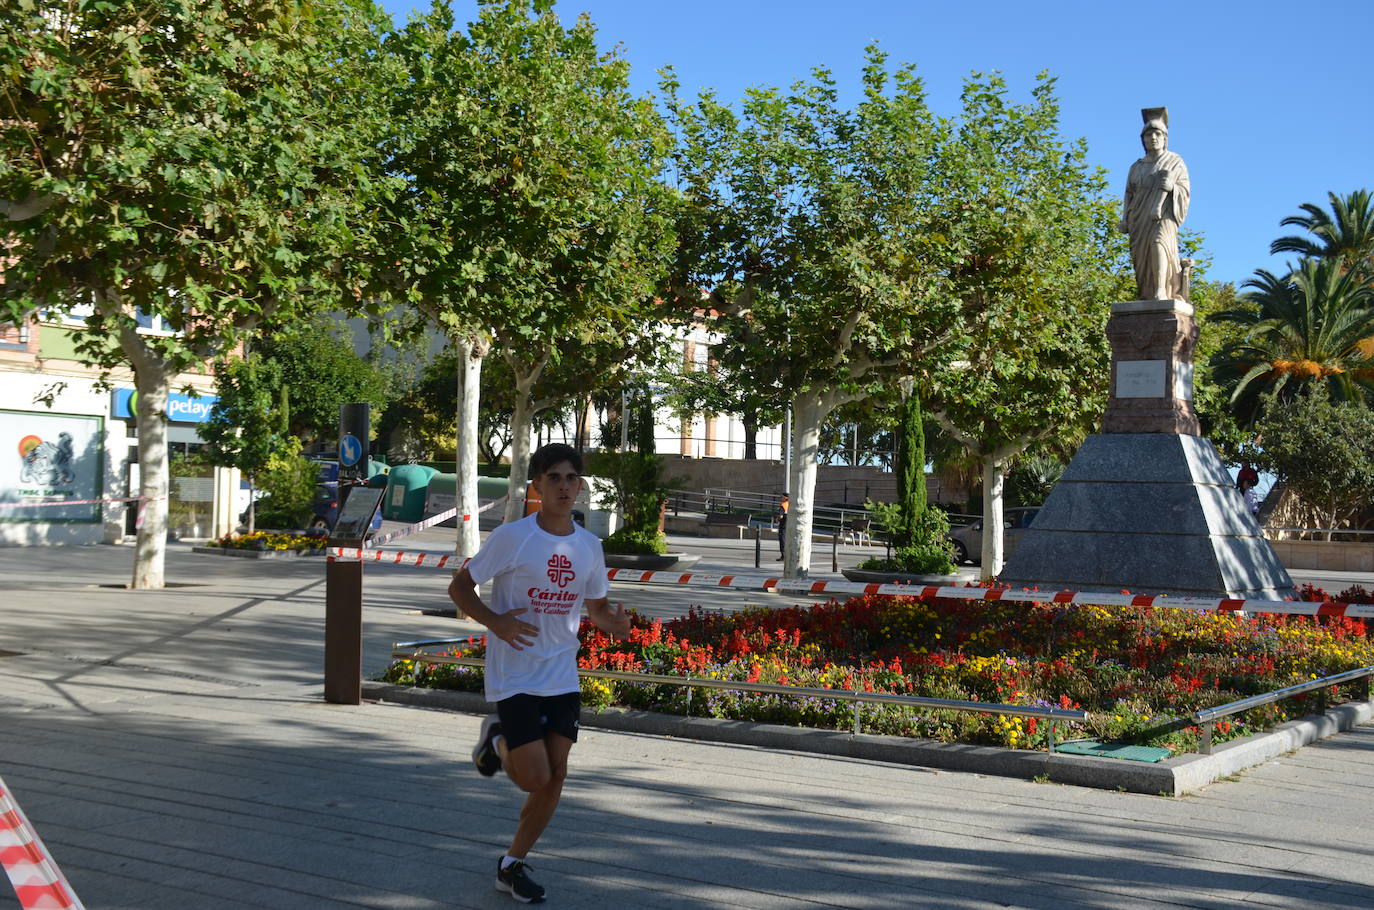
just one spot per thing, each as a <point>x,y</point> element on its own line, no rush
<point>1151,513</point>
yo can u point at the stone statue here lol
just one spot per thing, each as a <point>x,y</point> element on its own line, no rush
<point>1157,195</point>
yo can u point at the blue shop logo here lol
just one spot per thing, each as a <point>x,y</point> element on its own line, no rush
<point>180,408</point>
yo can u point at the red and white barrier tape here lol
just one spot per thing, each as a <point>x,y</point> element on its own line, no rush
<point>429,523</point>
<point>397,558</point>
<point>37,881</point>
<point>822,586</point>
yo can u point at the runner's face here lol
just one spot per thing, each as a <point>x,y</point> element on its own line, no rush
<point>558,488</point>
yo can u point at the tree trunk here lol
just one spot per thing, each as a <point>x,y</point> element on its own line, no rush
<point>582,439</point>
<point>150,549</point>
<point>750,419</point>
<point>809,411</point>
<point>993,537</point>
<point>252,505</point>
<point>520,421</point>
<point>471,350</point>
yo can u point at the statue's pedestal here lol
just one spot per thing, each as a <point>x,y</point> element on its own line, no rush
<point>1152,368</point>
<point>1146,505</point>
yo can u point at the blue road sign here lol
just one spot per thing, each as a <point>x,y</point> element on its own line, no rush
<point>350,451</point>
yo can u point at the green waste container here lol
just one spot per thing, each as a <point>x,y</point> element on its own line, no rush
<point>442,493</point>
<point>406,488</point>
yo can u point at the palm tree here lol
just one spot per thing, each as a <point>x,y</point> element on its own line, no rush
<point>1314,325</point>
<point>1347,232</point>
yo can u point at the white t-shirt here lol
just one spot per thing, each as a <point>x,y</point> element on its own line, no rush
<point>550,576</point>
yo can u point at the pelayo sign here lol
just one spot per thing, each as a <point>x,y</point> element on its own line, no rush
<point>180,408</point>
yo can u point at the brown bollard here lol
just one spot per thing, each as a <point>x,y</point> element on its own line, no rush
<point>343,627</point>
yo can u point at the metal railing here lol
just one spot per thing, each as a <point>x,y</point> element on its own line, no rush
<point>1052,716</point>
<point>760,507</point>
<point>1329,532</point>
<point>1208,717</point>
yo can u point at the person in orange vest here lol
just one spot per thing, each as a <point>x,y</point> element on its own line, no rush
<point>782,526</point>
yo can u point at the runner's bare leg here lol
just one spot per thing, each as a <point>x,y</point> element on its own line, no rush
<point>539,769</point>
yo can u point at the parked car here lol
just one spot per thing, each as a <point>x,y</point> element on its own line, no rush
<point>968,540</point>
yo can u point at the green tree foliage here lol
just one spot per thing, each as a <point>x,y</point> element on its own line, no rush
<point>920,535</point>
<point>203,163</point>
<point>1031,479</point>
<point>1211,398</point>
<point>248,426</point>
<point>1347,232</point>
<point>1038,267</point>
<point>1311,327</point>
<point>422,411</point>
<point>809,224</point>
<point>1323,450</point>
<point>289,482</point>
<point>532,215</point>
<point>637,477</point>
<point>314,361</point>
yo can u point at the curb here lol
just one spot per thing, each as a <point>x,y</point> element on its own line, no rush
<point>257,554</point>
<point>1175,776</point>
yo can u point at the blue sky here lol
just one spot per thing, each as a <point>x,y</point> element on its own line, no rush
<point>1267,100</point>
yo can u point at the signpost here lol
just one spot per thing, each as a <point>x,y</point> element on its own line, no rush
<point>343,598</point>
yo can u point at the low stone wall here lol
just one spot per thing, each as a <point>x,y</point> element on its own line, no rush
<point>1330,555</point>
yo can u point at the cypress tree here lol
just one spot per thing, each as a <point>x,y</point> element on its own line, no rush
<point>910,469</point>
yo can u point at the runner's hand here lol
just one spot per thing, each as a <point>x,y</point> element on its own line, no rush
<point>512,630</point>
<point>617,621</point>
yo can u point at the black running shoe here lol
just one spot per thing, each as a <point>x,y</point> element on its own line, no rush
<point>515,880</point>
<point>484,754</point>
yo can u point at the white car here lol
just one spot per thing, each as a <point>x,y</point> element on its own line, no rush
<point>968,540</point>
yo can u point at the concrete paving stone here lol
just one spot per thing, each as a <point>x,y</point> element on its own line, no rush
<point>309,806</point>
<point>280,871</point>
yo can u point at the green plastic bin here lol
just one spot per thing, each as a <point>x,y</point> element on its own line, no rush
<point>406,488</point>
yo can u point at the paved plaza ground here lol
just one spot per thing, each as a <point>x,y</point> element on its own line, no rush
<point>173,750</point>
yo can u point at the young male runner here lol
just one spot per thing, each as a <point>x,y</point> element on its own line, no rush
<point>544,568</point>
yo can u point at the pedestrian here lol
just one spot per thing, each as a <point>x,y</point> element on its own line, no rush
<point>544,569</point>
<point>1247,491</point>
<point>1246,481</point>
<point>782,526</point>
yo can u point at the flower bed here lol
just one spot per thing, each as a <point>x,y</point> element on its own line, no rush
<point>271,540</point>
<point>1133,668</point>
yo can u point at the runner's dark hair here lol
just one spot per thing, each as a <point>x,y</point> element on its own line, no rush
<point>547,456</point>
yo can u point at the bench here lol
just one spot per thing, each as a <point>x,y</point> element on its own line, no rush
<point>727,524</point>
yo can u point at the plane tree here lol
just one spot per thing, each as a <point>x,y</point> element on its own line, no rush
<point>203,165</point>
<point>531,222</point>
<point>1038,268</point>
<point>847,249</point>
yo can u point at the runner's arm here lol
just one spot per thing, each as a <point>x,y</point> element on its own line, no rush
<point>612,620</point>
<point>508,627</point>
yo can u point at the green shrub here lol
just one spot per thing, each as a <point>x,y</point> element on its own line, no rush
<point>633,542</point>
<point>929,553</point>
<point>289,482</point>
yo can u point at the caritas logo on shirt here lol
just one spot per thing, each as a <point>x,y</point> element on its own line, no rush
<point>560,572</point>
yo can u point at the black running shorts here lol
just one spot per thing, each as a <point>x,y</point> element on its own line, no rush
<point>527,718</point>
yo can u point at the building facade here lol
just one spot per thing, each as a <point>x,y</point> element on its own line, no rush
<point>69,447</point>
